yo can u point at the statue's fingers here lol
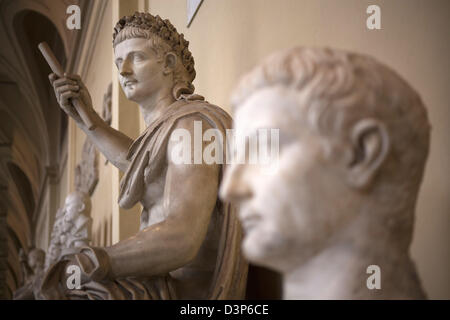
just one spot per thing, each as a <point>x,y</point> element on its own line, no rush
<point>66,96</point>
<point>52,77</point>
<point>64,81</point>
<point>67,88</point>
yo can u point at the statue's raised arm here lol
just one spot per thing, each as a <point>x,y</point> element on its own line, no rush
<point>74,98</point>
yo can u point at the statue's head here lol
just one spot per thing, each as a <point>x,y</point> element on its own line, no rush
<point>354,139</point>
<point>36,259</point>
<point>76,203</point>
<point>151,55</point>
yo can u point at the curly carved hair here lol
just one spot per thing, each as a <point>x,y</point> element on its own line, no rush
<point>147,26</point>
<point>335,89</point>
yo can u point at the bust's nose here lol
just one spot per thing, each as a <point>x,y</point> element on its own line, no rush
<point>125,69</point>
<point>125,73</point>
<point>234,186</point>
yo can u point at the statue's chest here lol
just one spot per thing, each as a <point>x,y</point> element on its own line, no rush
<point>153,201</point>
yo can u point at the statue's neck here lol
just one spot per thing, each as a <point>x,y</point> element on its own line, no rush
<point>154,107</point>
<point>340,270</point>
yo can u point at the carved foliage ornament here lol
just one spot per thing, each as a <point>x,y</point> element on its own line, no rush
<point>86,172</point>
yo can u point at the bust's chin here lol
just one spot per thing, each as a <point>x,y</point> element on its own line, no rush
<point>133,94</point>
<point>257,253</point>
<point>129,93</point>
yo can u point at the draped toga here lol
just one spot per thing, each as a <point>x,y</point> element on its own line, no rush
<point>145,154</point>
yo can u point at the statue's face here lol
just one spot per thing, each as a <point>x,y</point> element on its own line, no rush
<point>287,213</point>
<point>73,209</point>
<point>59,224</point>
<point>140,73</point>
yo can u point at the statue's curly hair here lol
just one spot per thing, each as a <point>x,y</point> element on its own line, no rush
<point>335,89</point>
<point>164,30</point>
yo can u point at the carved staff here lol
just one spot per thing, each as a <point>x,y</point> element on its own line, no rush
<point>58,70</point>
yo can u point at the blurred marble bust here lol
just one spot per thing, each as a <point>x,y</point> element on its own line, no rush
<point>76,223</point>
<point>354,139</point>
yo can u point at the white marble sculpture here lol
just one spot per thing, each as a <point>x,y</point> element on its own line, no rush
<point>354,139</point>
<point>55,246</point>
<point>107,104</point>
<point>86,172</point>
<point>71,229</point>
<point>188,245</point>
<point>76,223</point>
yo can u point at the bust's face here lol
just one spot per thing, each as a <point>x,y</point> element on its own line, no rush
<point>140,73</point>
<point>73,210</point>
<point>73,207</point>
<point>288,213</point>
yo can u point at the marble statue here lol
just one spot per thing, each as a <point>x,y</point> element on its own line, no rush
<point>106,110</point>
<point>336,215</point>
<point>32,266</point>
<point>107,104</point>
<point>188,246</point>
<point>86,172</point>
<point>55,246</point>
<point>72,228</point>
<point>71,231</point>
<point>76,224</point>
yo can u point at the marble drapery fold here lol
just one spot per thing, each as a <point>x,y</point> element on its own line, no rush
<point>147,151</point>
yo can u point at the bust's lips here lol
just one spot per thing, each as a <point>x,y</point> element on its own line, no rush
<point>129,82</point>
<point>250,221</point>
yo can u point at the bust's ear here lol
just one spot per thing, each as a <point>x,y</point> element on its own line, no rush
<point>370,146</point>
<point>170,61</point>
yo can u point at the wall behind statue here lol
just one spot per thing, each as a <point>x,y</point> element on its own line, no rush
<point>97,80</point>
<point>97,76</point>
<point>227,38</point>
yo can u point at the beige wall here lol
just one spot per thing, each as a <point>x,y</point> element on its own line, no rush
<point>228,37</point>
<point>97,78</point>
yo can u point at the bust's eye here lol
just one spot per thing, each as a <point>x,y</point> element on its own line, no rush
<point>138,57</point>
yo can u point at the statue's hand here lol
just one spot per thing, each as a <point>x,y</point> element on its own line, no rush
<point>70,87</point>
